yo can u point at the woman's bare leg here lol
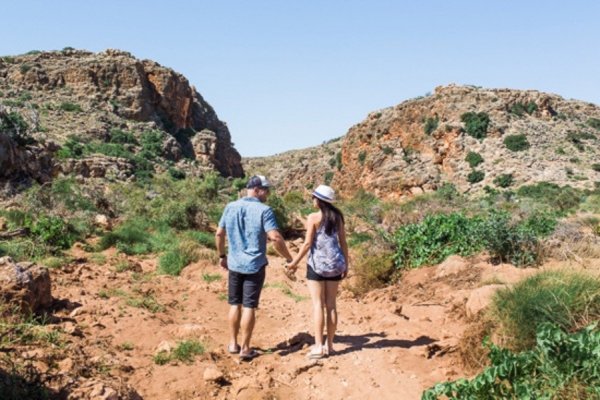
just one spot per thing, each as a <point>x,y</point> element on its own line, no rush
<point>316,289</point>
<point>331,288</point>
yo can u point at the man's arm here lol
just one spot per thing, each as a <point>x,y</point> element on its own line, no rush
<point>279,244</point>
<point>220,240</point>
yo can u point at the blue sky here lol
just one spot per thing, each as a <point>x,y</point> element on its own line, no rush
<point>292,74</point>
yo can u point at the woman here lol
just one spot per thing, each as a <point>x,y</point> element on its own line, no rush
<point>327,264</point>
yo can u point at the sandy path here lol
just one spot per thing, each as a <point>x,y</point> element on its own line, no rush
<point>382,340</point>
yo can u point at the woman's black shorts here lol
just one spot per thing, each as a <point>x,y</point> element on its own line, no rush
<point>311,275</point>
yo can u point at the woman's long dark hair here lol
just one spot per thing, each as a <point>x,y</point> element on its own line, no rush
<point>332,216</point>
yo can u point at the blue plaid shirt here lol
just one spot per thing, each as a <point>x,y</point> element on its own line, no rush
<point>247,222</point>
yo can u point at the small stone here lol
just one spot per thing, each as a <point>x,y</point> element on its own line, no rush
<point>212,375</point>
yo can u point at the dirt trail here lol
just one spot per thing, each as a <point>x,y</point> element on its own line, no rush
<point>390,344</point>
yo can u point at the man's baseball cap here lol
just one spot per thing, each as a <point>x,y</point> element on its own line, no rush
<point>258,181</point>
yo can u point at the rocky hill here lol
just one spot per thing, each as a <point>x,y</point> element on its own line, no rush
<point>469,136</point>
<point>91,114</point>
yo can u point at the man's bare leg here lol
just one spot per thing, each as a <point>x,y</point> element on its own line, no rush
<point>247,324</point>
<point>235,316</point>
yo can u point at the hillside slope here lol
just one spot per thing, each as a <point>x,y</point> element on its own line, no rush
<point>422,143</point>
<point>103,107</point>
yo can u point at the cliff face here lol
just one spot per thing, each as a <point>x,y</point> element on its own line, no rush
<point>114,90</point>
<point>420,144</point>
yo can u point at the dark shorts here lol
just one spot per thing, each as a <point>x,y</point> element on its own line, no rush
<point>246,288</point>
<point>311,275</point>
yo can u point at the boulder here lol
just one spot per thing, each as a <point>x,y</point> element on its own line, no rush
<point>25,285</point>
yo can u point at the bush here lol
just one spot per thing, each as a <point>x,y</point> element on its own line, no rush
<point>176,174</point>
<point>504,180</point>
<point>562,366</point>
<point>447,192</point>
<point>70,107</point>
<point>594,123</point>
<point>373,270</point>
<point>328,177</point>
<point>507,241</point>
<point>475,176</point>
<point>15,126</point>
<point>431,125</point>
<point>128,235</point>
<point>476,124</point>
<point>72,148</point>
<point>596,167</point>
<point>53,231</point>
<point>474,159</point>
<point>566,299</point>
<point>362,156</point>
<point>118,136</point>
<point>562,198</point>
<point>577,139</point>
<point>516,142</point>
<point>152,142</point>
<point>436,238</point>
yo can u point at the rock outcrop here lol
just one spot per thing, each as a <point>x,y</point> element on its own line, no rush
<point>83,96</point>
<point>25,285</point>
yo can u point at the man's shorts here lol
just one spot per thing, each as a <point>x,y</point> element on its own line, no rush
<point>246,288</point>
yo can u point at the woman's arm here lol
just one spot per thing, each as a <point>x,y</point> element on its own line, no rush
<point>311,226</point>
<point>344,246</point>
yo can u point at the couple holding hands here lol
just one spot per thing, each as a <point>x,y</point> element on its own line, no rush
<point>247,224</point>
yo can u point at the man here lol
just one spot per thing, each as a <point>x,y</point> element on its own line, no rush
<point>247,223</point>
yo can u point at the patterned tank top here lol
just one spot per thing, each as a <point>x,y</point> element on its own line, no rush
<point>326,256</point>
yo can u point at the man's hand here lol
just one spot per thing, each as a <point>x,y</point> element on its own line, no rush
<point>223,263</point>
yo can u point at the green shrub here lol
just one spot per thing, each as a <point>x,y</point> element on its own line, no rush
<point>24,68</point>
<point>474,159</point>
<point>152,142</point>
<point>71,148</point>
<point>129,234</point>
<point>507,241</point>
<point>328,177</point>
<point>475,176</point>
<point>338,160</point>
<point>176,174</point>
<point>293,199</point>
<point>53,231</point>
<point>504,180</point>
<point>596,167</point>
<point>362,156</point>
<point>431,125</point>
<point>13,125</point>
<point>562,198</point>
<point>281,212</point>
<point>516,142</point>
<point>436,238</point>
<point>203,238</point>
<point>578,139</point>
<point>594,123</point>
<point>447,192</point>
<point>121,137</point>
<point>70,107</point>
<point>531,107</point>
<point>518,109</point>
<point>355,238</point>
<point>476,124</point>
<point>566,299</point>
<point>108,149</point>
<point>172,262</point>
<point>561,366</point>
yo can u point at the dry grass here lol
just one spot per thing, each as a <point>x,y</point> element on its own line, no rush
<point>472,355</point>
<point>570,241</point>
